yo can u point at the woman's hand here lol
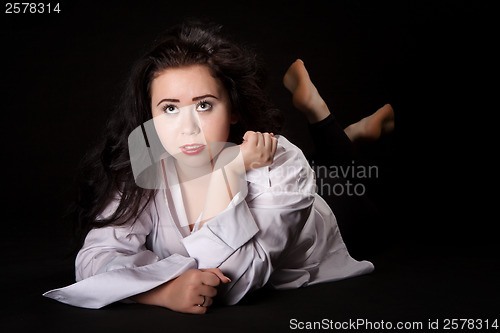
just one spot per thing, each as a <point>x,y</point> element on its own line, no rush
<point>258,149</point>
<point>187,292</point>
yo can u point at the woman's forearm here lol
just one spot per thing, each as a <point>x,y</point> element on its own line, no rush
<point>225,182</point>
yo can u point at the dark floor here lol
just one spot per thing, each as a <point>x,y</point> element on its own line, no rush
<point>411,283</point>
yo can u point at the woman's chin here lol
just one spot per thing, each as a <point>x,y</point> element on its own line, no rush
<point>193,161</point>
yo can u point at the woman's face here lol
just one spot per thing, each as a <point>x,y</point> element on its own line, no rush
<point>192,114</point>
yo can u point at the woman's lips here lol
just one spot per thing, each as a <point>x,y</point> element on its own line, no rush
<point>192,149</point>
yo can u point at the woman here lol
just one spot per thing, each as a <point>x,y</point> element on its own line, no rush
<point>218,220</point>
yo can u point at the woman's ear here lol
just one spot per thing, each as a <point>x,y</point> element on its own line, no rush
<point>234,118</point>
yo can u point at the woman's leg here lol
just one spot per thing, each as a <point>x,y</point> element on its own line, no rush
<point>332,144</point>
<point>307,99</point>
<point>356,215</point>
<point>372,127</point>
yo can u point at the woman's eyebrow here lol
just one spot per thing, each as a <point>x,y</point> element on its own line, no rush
<point>173,100</point>
<point>202,97</point>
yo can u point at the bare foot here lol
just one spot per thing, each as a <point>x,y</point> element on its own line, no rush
<point>305,95</point>
<point>372,127</point>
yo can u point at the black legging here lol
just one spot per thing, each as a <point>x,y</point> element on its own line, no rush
<point>356,214</point>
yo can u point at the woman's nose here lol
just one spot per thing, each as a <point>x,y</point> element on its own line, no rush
<point>190,123</point>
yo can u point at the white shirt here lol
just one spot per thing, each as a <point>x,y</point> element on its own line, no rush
<point>277,231</point>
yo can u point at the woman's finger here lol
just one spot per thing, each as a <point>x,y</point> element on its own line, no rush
<point>260,140</point>
<point>210,279</point>
<point>250,137</point>
<point>198,309</point>
<point>267,140</point>
<point>218,273</point>
<point>274,146</point>
<point>207,291</point>
<point>201,305</point>
<point>204,300</point>
<point>209,302</point>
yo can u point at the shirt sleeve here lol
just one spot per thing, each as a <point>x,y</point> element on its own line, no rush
<point>114,264</point>
<point>247,240</point>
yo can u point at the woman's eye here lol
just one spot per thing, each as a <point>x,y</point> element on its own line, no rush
<point>170,109</point>
<point>204,106</point>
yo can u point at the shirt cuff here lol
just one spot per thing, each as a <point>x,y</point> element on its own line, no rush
<point>222,235</point>
<point>109,287</point>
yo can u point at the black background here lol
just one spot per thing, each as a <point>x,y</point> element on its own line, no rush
<point>433,61</point>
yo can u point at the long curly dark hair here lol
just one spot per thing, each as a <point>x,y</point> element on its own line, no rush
<point>106,171</point>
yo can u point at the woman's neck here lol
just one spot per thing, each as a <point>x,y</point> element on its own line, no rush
<point>187,173</point>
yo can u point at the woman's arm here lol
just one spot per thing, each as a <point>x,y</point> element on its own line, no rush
<point>227,179</point>
<point>247,240</point>
<point>114,264</point>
